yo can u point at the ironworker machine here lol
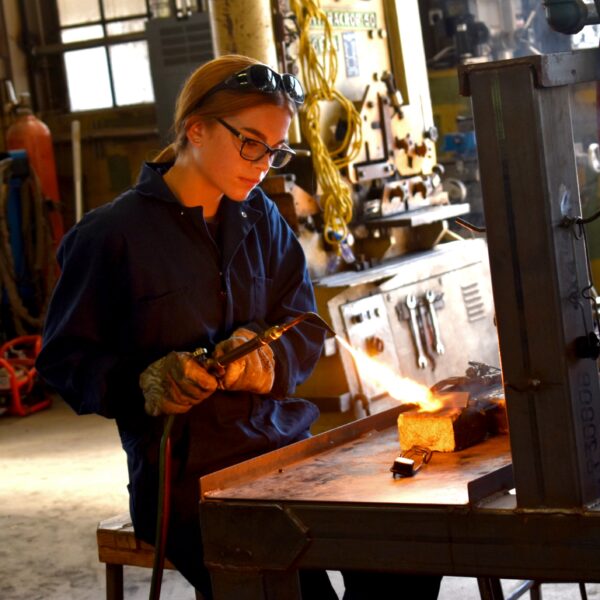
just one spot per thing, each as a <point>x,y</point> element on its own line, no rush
<point>382,276</point>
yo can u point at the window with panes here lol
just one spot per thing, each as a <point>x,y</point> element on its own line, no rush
<point>112,72</point>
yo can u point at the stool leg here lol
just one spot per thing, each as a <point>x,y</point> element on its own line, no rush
<point>114,582</point>
<point>490,588</point>
<point>536,591</point>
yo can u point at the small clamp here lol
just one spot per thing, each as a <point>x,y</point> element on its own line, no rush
<point>410,461</point>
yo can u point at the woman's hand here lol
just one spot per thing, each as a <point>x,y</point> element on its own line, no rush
<point>175,383</point>
<point>254,372</point>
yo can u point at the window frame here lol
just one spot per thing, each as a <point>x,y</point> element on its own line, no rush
<point>42,42</point>
<point>105,41</point>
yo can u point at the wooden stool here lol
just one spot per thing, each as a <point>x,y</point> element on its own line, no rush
<point>118,546</point>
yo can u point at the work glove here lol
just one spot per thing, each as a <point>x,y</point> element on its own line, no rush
<point>175,383</point>
<point>254,372</point>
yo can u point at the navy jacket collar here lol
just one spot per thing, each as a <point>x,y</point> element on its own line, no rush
<point>238,218</point>
<point>151,182</point>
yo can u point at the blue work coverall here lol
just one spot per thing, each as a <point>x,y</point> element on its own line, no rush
<point>143,276</point>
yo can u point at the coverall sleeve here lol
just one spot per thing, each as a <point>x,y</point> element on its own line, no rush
<point>82,331</point>
<point>291,294</point>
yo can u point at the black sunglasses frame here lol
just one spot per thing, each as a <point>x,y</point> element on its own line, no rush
<point>261,78</point>
<point>286,152</point>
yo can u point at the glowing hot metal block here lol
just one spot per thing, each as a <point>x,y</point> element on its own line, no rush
<point>447,430</point>
<point>454,427</point>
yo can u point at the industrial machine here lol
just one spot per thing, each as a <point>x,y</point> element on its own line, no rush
<point>389,273</point>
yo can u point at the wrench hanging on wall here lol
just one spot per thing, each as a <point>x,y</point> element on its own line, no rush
<point>431,297</point>
<point>411,304</point>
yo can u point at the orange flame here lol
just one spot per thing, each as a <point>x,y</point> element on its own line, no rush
<point>399,388</point>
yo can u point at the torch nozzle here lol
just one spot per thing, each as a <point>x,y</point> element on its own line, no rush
<point>307,316</point>
<point>273,333</point>
<point>262,339</point>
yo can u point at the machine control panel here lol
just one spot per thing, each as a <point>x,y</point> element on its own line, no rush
<point>368,330</point>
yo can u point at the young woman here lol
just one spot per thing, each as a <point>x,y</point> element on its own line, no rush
<point>195,255</point>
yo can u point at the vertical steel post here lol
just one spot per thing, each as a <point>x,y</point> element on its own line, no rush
<point>243,27</point>
<point>524,134</point>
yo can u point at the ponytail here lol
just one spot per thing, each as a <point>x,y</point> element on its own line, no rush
<point>167,154</point>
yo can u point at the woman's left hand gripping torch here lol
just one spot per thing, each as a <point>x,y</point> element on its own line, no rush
<point>176,382</point>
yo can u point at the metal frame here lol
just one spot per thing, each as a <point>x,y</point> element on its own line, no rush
<point>539,271</point>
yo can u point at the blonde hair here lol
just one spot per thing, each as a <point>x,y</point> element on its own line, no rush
<point>222,103</point>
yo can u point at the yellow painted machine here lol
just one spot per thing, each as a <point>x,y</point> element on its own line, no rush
<point>390,161</point>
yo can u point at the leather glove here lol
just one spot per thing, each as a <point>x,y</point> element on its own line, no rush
<point>175,383</point>
<point>254,372</point>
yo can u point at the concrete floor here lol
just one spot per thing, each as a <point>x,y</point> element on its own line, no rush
<point>60,475</point>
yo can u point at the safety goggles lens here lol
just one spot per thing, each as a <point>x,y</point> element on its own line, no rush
<point>293,88</point>
<point>263,78</point>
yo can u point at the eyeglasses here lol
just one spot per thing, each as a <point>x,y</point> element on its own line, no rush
<point>254,150</point>
<point>262,79</point>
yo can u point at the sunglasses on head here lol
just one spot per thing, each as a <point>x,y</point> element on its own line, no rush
<point>260,78</point>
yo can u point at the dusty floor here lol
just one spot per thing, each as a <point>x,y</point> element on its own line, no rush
<point>61,474</point>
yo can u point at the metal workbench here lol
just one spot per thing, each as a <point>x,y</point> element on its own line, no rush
<point>331,502</point>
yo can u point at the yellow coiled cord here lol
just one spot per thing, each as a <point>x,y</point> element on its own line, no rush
<point>319,74</point>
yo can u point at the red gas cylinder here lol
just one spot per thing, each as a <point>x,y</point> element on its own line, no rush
<point>32,135</point>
